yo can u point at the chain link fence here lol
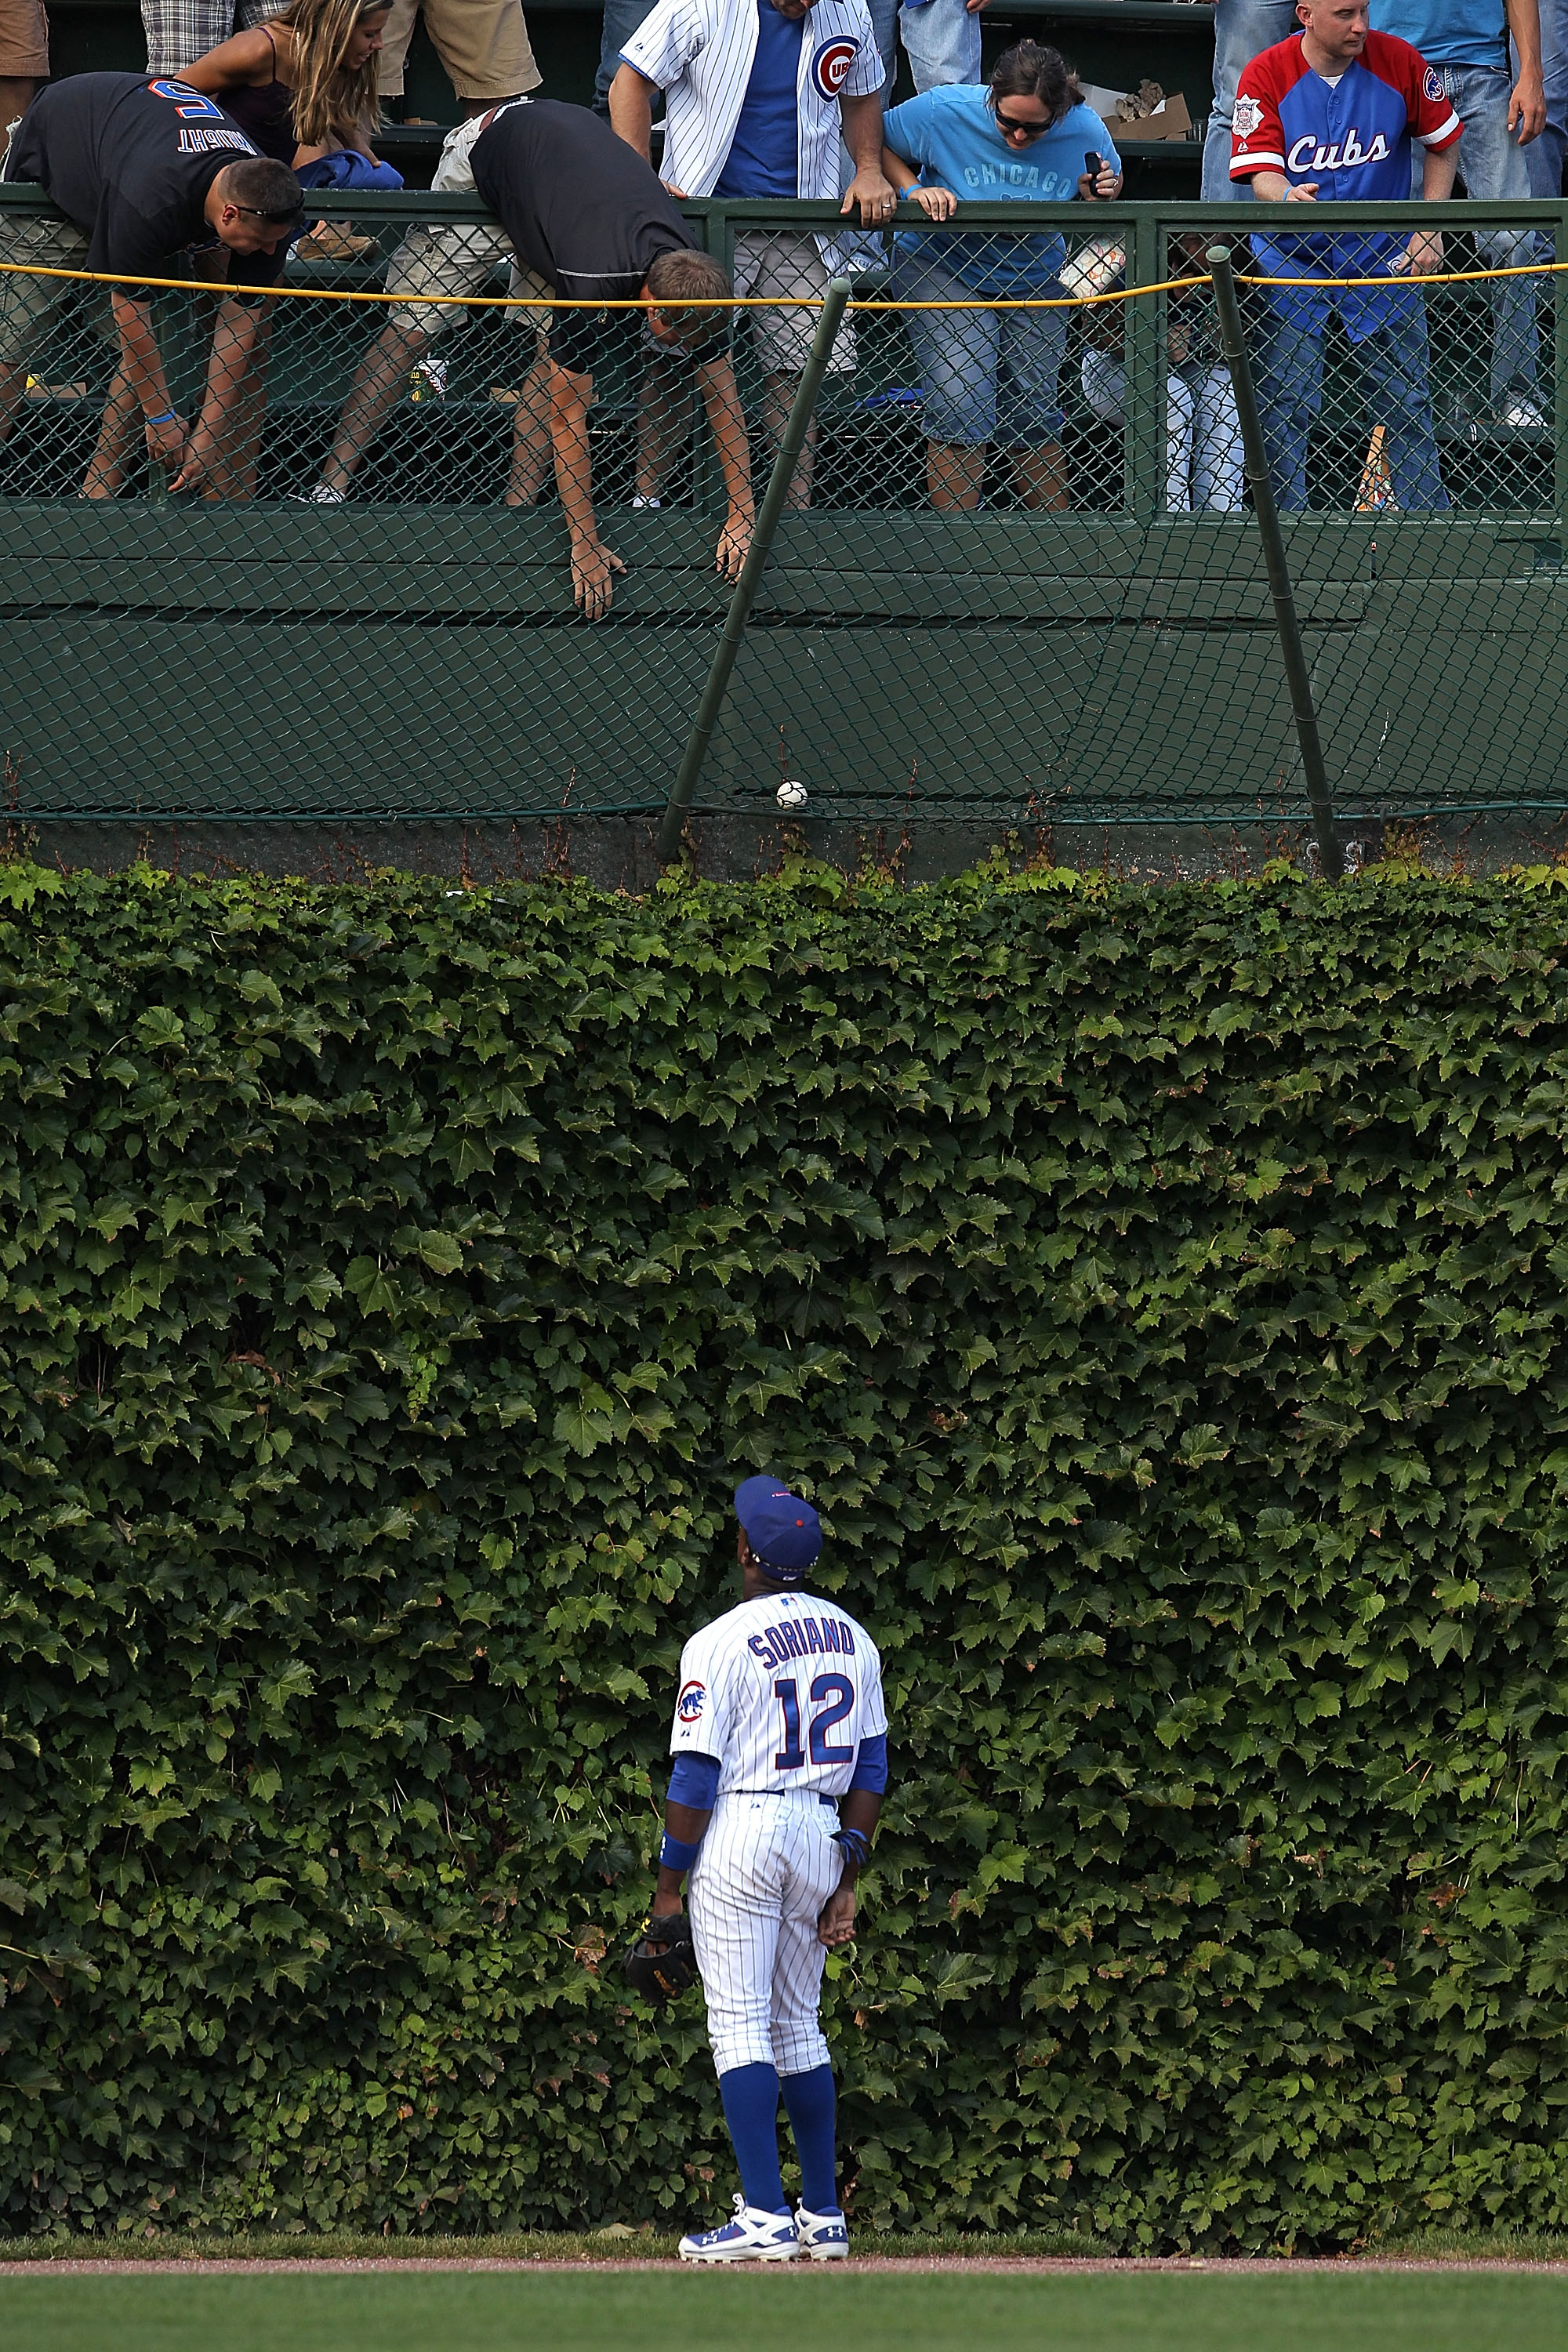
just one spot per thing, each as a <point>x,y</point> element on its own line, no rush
<point>1017,576</point>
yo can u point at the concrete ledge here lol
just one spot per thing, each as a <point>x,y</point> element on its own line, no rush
<point>616,853</point>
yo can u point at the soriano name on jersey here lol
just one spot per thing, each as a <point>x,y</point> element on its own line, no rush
<point>781,1690</point>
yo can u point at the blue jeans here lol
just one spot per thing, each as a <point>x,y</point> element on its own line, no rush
<point>1392,364</point>
<point>622,18</point>
<point>1493,165</point>
<point>941,41</point>
<point>990,376</point>
<point>1544,156</point>
<point>1241,28</point>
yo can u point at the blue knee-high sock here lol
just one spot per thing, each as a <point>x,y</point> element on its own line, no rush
<point>809,2099</point>
<point>751,2096</point>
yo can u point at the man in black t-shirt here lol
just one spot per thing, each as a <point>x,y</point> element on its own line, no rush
<point>582,216</point>
<point>155,180</point>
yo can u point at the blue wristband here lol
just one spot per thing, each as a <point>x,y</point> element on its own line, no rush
<point>166,419</point>
<point>674,1853</point>
<point>856,1844</point>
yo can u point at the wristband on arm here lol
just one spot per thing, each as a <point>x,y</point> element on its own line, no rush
<point>166,419</point>
<point>856,1847</point>
<point>694,1783</point>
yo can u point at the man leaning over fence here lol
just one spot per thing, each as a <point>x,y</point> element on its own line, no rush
<point>755,91</point>
<point>1329,115</point>
<point>1465,42</point>
<point>582,218</point>
<point>155,181</point>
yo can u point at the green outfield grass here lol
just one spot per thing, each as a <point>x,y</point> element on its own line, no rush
<point>781,2311</point>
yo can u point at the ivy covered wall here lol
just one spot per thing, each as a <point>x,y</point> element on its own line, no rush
<point>1161,1294</point>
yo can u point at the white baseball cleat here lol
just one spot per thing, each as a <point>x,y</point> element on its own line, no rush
<point>824,2236</point>
<point>753,2236</point>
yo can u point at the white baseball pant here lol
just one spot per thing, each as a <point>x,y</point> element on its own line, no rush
<point>766,1867</point>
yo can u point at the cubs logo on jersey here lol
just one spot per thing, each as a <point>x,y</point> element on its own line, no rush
<point>831,64</point>
<point>693,1698</point>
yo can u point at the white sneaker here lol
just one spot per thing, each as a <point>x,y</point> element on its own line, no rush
<point>824,2236</point>
<point>320,496</point>
<point>753,2236</point>
<point>1520,414</point>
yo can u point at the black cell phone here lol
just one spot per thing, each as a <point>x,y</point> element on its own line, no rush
<point>1093,165</point>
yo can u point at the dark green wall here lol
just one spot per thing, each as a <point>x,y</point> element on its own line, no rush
<point>179,662</point>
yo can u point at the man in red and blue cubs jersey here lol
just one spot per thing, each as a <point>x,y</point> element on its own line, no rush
<point>1329,116</point>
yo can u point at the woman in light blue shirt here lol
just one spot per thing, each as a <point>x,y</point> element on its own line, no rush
<point>991,375</point>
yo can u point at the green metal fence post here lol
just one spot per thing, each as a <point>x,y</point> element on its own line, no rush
<point>1233,344</point>
<point>1559,370</point>
<point>793,441</point>
<point>1144,338</point>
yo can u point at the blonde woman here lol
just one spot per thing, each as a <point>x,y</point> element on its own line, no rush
<point>303,87</point>
<point>303,84</point>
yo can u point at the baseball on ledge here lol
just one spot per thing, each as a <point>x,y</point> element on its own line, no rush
<point>792,793</point>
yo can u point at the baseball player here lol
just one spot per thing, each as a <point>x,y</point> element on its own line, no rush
<point>780,1761</point>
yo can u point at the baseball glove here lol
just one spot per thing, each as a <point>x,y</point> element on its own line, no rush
<point>662,1963</point>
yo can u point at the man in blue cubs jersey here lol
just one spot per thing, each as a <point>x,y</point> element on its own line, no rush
<point>1329,116</point>
<point>1466,43</point>
<point>781,1758</point>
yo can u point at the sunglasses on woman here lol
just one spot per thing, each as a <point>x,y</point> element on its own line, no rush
<point>1011,128</point>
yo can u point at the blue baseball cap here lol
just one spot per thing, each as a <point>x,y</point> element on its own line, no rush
<point>783,1531</point>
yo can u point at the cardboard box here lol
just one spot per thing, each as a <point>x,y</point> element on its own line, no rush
<point>1170,120</point>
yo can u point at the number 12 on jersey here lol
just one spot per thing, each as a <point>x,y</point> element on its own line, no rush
<point>835,1695</point>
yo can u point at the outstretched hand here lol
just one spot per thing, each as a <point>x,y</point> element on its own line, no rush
<point>734,541</point>
<point>594,570</point>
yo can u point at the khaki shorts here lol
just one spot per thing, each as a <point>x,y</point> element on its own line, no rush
<point>23,44</point>
<point>483,45</point>
<point>452,258</point>
<point>769,262</point>
<point>29,306</point>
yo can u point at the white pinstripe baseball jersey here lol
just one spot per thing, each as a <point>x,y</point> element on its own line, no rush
<point>781,1690</point>
<point>700,53</point>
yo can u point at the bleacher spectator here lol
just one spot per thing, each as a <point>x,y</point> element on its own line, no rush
<point>1243,29</point>
<point>151,178</point>
<point>1330,115</point>
<point>992,376</point>
<point>1544,156</point>
<point>304,84</point>
<point>755,94</point>
<point>482,44</point>
<point>1465,44</point>
<point>941,38</point>
<point>179,30</point>
<point>581,216</point>
<point>1203,458</point>
<point>23,58</point>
